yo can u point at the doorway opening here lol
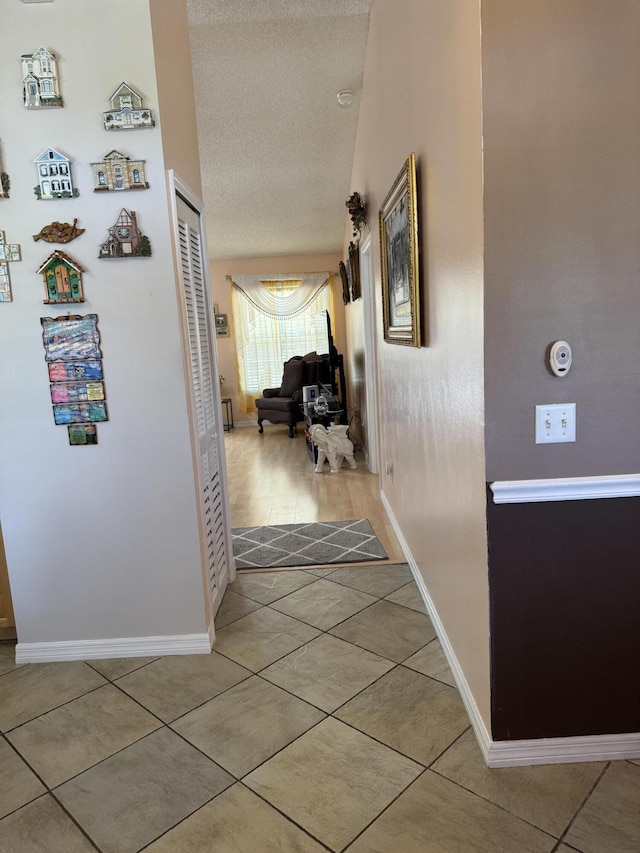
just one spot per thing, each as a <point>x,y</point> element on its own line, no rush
<point>271,477</point>
<point>7,618</point>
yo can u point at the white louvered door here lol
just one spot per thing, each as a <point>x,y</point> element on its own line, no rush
<point>205,403</point>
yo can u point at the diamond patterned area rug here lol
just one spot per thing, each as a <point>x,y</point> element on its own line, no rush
<point>314,544</point>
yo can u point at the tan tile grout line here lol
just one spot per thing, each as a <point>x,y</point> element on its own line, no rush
<point>338,583</point>
<point>485,798</point>
<point>56,707</point>
<point>327,566</point>
<point>386,808</point>
<point>588,796</point>
<point>48,792</point>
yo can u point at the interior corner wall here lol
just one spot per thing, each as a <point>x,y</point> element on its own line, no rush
<point>283,264</point>
<point>422,93</point>
<point>562,261</point>
<point>176,101</point>
<point>101,542</point>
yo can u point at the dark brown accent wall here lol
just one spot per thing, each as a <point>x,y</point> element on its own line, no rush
<point>564,581</point>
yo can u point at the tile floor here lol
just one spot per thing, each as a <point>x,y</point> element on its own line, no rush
<point>326,719</point>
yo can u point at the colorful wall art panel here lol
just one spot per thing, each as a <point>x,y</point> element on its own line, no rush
<point>74,363</point>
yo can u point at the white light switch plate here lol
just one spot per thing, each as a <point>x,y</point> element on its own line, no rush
<point>555,423</point>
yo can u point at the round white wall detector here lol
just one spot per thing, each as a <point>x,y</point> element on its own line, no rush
<point>560,358</point>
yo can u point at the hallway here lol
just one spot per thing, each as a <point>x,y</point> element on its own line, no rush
<point>272,481</point>
<point>326,719</point>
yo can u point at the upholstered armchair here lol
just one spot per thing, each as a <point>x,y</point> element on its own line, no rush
<point>283,405</point>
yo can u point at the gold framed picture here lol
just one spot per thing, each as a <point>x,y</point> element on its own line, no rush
<point>344,277</point>
<point>399,256</point>
<point>354,269</point>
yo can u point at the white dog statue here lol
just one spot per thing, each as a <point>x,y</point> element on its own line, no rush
<point>334,445</point>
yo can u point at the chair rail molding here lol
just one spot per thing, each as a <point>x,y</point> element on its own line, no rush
<point>566,489</point>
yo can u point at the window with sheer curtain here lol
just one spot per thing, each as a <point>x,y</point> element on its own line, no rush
<point>273,319</point>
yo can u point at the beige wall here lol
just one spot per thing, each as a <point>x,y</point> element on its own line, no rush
<point>422,93</point>
<point>562,211</point>
<point>172,54</point>
<point>284,264</point>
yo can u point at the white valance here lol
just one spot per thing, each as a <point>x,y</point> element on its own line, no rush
<point>263,293</point>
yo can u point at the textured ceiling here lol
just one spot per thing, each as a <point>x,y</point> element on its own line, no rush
<point>275,146</point>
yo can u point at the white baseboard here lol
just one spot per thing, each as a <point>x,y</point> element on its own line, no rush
<point>515,753</point>
<point>121,647</point>
<point>563,750</point>
<point>477,723</point>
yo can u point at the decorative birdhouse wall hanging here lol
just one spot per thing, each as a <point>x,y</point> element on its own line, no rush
<point>8,252</point>
<point>40,80</point>
<point>127,110</point>
<point>118,172</point>
<point>62,279</point>
<point>125,239</point>
<point>54,176</point>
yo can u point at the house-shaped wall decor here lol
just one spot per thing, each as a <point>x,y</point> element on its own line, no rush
<point>40,80</point>
<point>125,239</point>
<point>62,279</point>
<point>8,252</point>
<point>127,110</point>
<point>118,172</point>
<point>54,176</point>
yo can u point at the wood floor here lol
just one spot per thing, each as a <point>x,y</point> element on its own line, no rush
<point>272,481</point>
